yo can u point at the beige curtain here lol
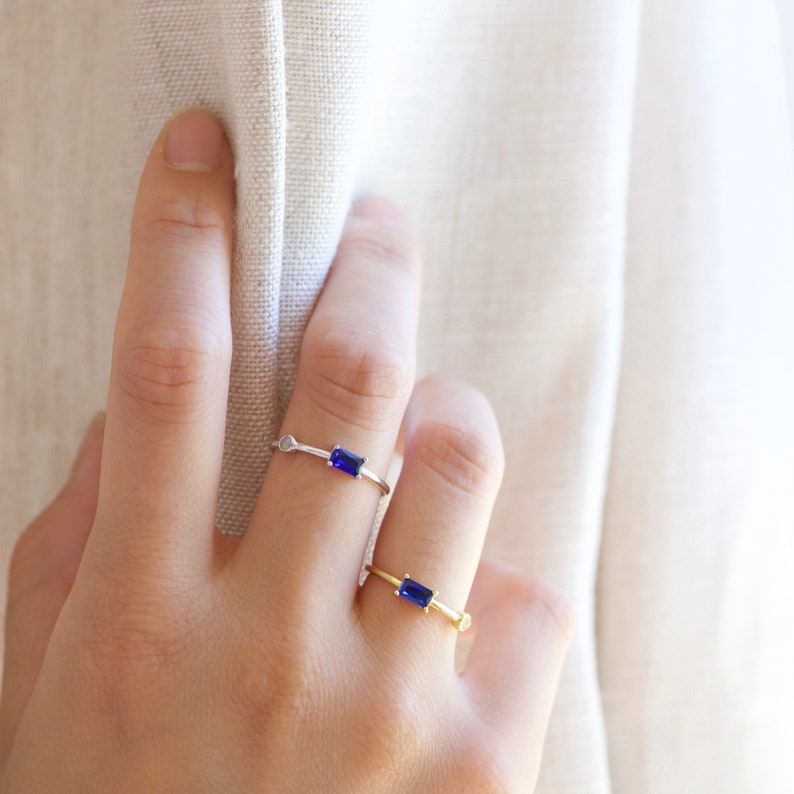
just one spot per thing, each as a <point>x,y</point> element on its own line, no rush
<point>605,192</point>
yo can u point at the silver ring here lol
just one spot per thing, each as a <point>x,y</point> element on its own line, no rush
<point>337,457</point>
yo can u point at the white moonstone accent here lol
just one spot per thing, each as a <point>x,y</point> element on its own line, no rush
<point>287,443</point>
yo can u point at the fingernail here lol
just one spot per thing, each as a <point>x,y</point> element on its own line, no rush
<point>194,141</point>
<point>92,435</point>
<point>383,211</point>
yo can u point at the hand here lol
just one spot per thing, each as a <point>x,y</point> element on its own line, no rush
<point>147,652</point>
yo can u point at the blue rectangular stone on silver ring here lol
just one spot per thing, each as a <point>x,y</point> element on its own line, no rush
<point>346,461</point>
<point>338,458</point>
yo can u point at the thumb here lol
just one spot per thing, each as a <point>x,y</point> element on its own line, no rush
<point>43,568</point>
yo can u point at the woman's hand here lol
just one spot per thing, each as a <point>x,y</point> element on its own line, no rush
<point>146,652</point>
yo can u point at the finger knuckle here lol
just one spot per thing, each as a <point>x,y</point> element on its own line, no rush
<point>131,645</point>
<point>488,766</point>
<point>185,217</point>
<point>369,241</point>
<point>137,645</point>
<point>544,603</point>
<point>355,380</point>
<point>390,716</point>
<point>165,370</point>
<point>273,681</point>
<point>131,617</point>
<point>466,459</point>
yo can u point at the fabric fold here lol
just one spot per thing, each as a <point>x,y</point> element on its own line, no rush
<point>694,584</point>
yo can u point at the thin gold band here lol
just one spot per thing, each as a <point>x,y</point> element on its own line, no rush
<point>423,597</point>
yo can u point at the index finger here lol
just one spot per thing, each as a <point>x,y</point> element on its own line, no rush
<point>171,354</point>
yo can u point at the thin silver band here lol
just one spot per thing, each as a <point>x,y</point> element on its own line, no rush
<point>288,443</point>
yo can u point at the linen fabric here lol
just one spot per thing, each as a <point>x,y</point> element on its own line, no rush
<point>604,191</point>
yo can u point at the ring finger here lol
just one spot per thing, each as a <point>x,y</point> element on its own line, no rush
<point>435,526</point>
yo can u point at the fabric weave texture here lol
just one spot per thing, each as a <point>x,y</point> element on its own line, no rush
<point>605,193</point>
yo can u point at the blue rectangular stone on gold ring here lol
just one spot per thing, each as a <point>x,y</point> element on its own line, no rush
<point>415,593</point>
<point>410,590</point>
<point>346,461</point>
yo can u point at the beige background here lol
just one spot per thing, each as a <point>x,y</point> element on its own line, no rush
<point>605,192</point>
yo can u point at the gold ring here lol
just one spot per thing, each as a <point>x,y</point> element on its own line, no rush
<point>423,597</point>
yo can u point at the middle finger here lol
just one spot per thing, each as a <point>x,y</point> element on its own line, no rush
<point>355,376</point>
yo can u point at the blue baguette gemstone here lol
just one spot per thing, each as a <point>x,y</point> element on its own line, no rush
<point>415,593</point>
<point>346,461</point>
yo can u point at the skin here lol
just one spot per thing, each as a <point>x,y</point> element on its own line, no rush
<point>147,652</point>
